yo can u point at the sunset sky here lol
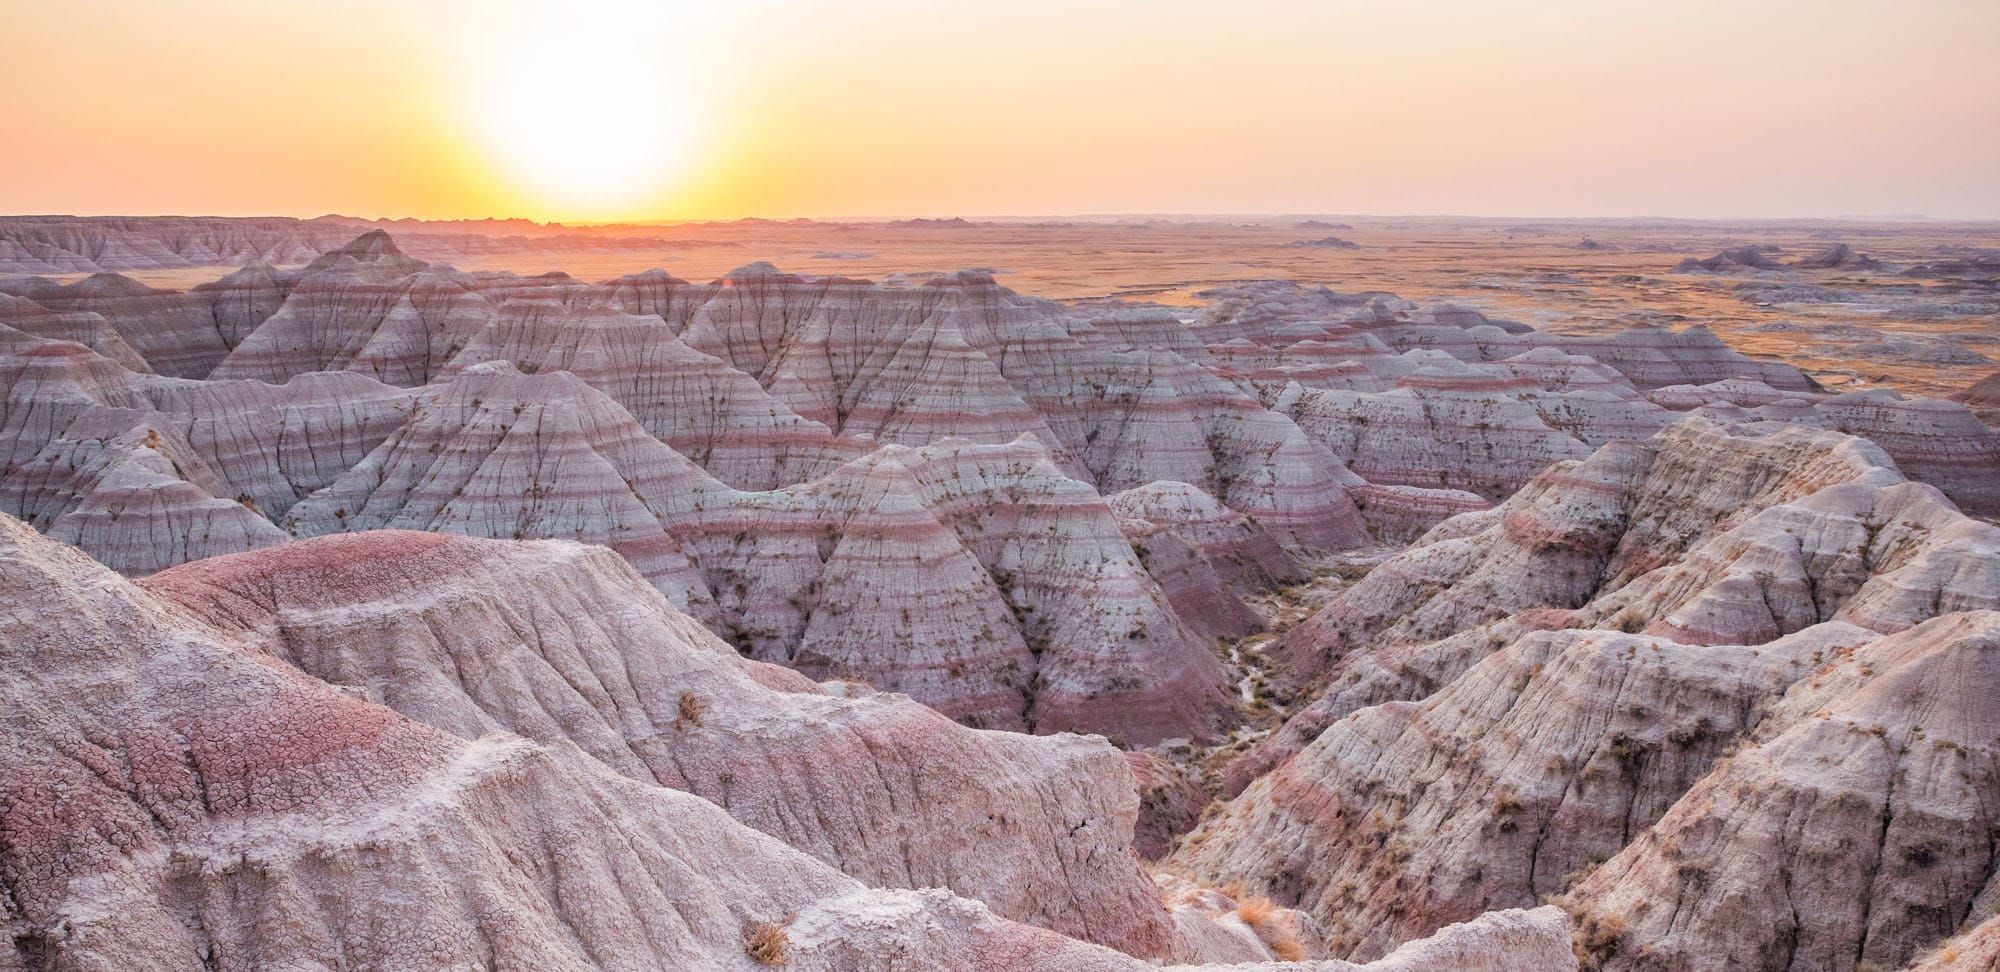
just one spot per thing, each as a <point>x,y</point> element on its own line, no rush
<point>629,110</point>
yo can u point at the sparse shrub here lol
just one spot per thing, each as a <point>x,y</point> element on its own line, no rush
<point>693,708</point>
<point>768,944</point>
<point>1258,913</point>
<point>1597,938</point>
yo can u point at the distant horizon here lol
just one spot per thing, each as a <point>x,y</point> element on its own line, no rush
<point>1003,218</point>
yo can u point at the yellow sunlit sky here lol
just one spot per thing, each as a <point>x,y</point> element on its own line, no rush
<point>598,110</point>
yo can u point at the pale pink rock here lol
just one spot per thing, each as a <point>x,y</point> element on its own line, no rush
<point>1171,799</point>
<point>174,799</point>
<point>495,453</point>
<point>1434,437</point>
<point>1734,391</point>
<point>87,328</point>
<point>1983,397</point>
<point>1019,599</point>
<point>364,307</point>
<point>1499,789</point>
<point>1855,829</point>
<point>1697,537</point>
<point>566,645</point>
<point>1206,556</point>
<point>1932,440</point>
<point>1578,529</point>
<point>172,796</point>
<point>1976,950</point>
<point>173,332</point>
<point>71,244</point>
<point>1401,514</point>
<point>146,472</point>
<point>696,404</point>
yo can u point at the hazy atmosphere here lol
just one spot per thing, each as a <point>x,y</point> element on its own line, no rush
<point>608,110</point>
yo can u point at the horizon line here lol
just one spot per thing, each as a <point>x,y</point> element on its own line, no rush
<point>1159,216</point>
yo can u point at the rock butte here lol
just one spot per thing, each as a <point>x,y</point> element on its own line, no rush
<point>469,618</point>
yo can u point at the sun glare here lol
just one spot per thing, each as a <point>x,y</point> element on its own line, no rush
<point>585,110</point>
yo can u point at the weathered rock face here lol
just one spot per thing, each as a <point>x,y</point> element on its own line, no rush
<point>1983,396</point>
<point>364,307</point>
<point>961,357</point>
<point>146,472</point>
<point>1857,828</point>
<point>1432,436</point>
<point>1204,554</point>
<point>1578,529</point>
<point>174,800</point>
<point>1715,538</point>
<point>1501,788</point>
<point>1974,950</point>
<point>87,328</point>
<point>173,795</point>
<point>887,790</point>
<point>701,407</point>
<point>1776,576</point>
<point>1018,599</point>
<point>70,244</point>
<point>1491,791</point>
<point>1280,314</point>
<point>172,331</point>
<point>1933,441</point>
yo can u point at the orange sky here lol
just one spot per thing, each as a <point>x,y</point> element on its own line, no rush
<point>632,110</point>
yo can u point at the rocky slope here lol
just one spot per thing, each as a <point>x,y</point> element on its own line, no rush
<point>596,661</point>
<point>173,795</point>
<point>1459,759</point>
<point>1627,621</point>
<point>1855,828</point>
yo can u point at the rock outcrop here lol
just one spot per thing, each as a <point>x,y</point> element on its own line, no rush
<point>174,794</point>
<point>1471,748</point>
<point>1748,257</point>
<point>1501,788</point>
<point>1855,828</point>
<point>595,660</point>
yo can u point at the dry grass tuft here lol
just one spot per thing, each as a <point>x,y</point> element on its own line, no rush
<point>1258,913</point>
<point>692,709</point>
<point>1597,938</point>
<point>1275,926</point>
<point>768,944</point>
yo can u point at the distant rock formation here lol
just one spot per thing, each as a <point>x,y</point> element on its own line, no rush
<point>1984,397</point>
<point>1324,243</point>
<point>1839,256</point>
<point>1754,256</point>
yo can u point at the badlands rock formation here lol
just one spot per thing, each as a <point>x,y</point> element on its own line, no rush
<point>175,793</point>
<point>598,662</point>
<point>493,619</point>
<point>1459,759</point>
<point>1983,396</point>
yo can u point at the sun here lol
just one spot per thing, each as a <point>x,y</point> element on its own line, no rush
<point>583,110</point>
